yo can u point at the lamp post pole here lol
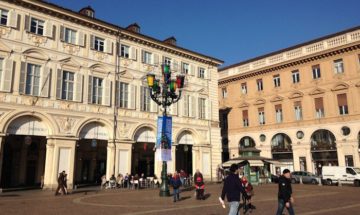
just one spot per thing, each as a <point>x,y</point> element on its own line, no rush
<point>164,92</point>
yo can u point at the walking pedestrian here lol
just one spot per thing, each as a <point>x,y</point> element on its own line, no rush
<point>249,189</point>
<point>232,189</point>
<point>60,181</point>
<point>285,191</point>
<point>175,182</point>
<point>65,183</point>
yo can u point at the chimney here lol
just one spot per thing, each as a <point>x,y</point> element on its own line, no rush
<point>171,41</point>
<point>88,11</point>
<point>134,28</point>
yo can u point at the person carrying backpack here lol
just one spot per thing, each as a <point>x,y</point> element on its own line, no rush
<point>175,182</point>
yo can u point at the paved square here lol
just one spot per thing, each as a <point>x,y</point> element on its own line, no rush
<point>310,199</point>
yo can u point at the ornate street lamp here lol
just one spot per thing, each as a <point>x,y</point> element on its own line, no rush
<point>165,92</point>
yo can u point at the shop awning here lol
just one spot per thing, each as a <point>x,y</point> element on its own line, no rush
<point>256,163</point>
<point>276,163</point>
<point>228,163</point>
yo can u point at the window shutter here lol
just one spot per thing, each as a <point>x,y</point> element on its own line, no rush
<point>141,98</point>
<point>319,103</point>
<point>342,101</point>
<point>193,109</point>
<point>62,33</point>
<point>45,82</point>
<point>90,89</point>
<point>27,23</point>
<point>80,38</point>
<point>192,70</point>
<point>92,42</point>
<point>12,19</point>
<point>108,46</point>
<point>186,105</point>
<point>117,93</point>
<point>156,59</point>
<point>245,114</point>
<point>153,105</point>
<point>78,87</point>
<point>59,77</point>
<point>207,109</point>
<point>133,53</point>
<point>208,74</point>
<point>278,107</point>
<point>175,65</point>
<point>22,77</point>
<point>142,56</point>
<point>297,104</point>
<point>132,96</point>
<point>107,92</point>
<point>174,109</point>
<point>48,29</point>
<point>7,76</point>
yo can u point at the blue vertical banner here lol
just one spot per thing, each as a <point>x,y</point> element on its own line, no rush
<point>163,138</point>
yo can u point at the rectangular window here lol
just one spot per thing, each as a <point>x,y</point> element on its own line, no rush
<point>99,44</point>
<point>167,61</point>
<point>1,70</point>
<point>125,51</point>
<point>224,92</point>
<point>68,85</point>
<point>147,57</point>
<point>276,79</point>
<point>261,116</point>
<point>298,111</point>
<point>97,90</point>
<point>278,113</point>
<point>260,86</point>
<point>244,88</point>
<point>33,80</point>
<point>316,72</point>
<point>187,105</point>
<point>201,73</point>
<point>70,36</point>
<point>37,26</point>
<point>296,76</point>
<point>145,99</point>
<point>319,107</point>
<point>185,68</point>
<point>342,104</point>
<point>123,95</point>
<point>245,115</point>
<point>3,16</point>
<point>339,66</point>
<point>202,108</point>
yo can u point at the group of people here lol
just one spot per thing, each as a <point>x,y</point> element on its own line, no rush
<point>127,181</point>
<point>62,184</point>
<point>234,187</point>
<point>177,180</point>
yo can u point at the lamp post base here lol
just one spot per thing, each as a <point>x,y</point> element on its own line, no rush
<point>164,187</point>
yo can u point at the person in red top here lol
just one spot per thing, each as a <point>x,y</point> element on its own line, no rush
<point>249,191</point>
<point>199,185</point>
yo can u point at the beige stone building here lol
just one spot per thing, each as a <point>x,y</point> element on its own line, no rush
<point>63,75</point>
<point>299,105</point>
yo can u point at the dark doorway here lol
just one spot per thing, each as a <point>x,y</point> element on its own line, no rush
<point>90,161</point>
<point>23,161</point>
<point>184,158</point>
<point>143,159</point>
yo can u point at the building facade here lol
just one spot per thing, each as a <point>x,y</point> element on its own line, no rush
<point>300,106</point>
<point>73,97</point>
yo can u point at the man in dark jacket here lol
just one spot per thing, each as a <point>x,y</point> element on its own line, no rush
<point>60,184</point>
<point>285,191</point>
<point>233,189</point>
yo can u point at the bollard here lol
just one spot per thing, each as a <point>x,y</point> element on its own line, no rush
<point>320,182</point>
<point>339,183</point>
<point>301,181</point>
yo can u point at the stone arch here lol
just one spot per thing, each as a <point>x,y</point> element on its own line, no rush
<point>194,134</point>
<point>281,142</point>
<point>140,126</point>
<point>86,122</point>
<point>247,142</point>
<point>185,137</point>
<point>53,127</point>
<point>322,139</point>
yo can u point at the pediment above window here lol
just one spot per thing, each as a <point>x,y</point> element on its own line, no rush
<point>244,105</point>
<point>277,98</point>
<point>357,85</point>
<point>126,74</point>
<point>99,68</point>
<point>340,86</point>
<point>36,54</point>
<point>70,62</point>
<point>260,101</point>
<point>296,94</point>
<point>203,91</point>
<point>317,91</point>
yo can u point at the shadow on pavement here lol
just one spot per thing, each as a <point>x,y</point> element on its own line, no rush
<point>184,198</point>
<point>206,196</point>
<point>9,195</point>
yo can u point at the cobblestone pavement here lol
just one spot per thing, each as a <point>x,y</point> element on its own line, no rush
<point>309,199</point>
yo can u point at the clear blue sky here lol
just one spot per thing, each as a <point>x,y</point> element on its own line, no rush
<point>231,30</point>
